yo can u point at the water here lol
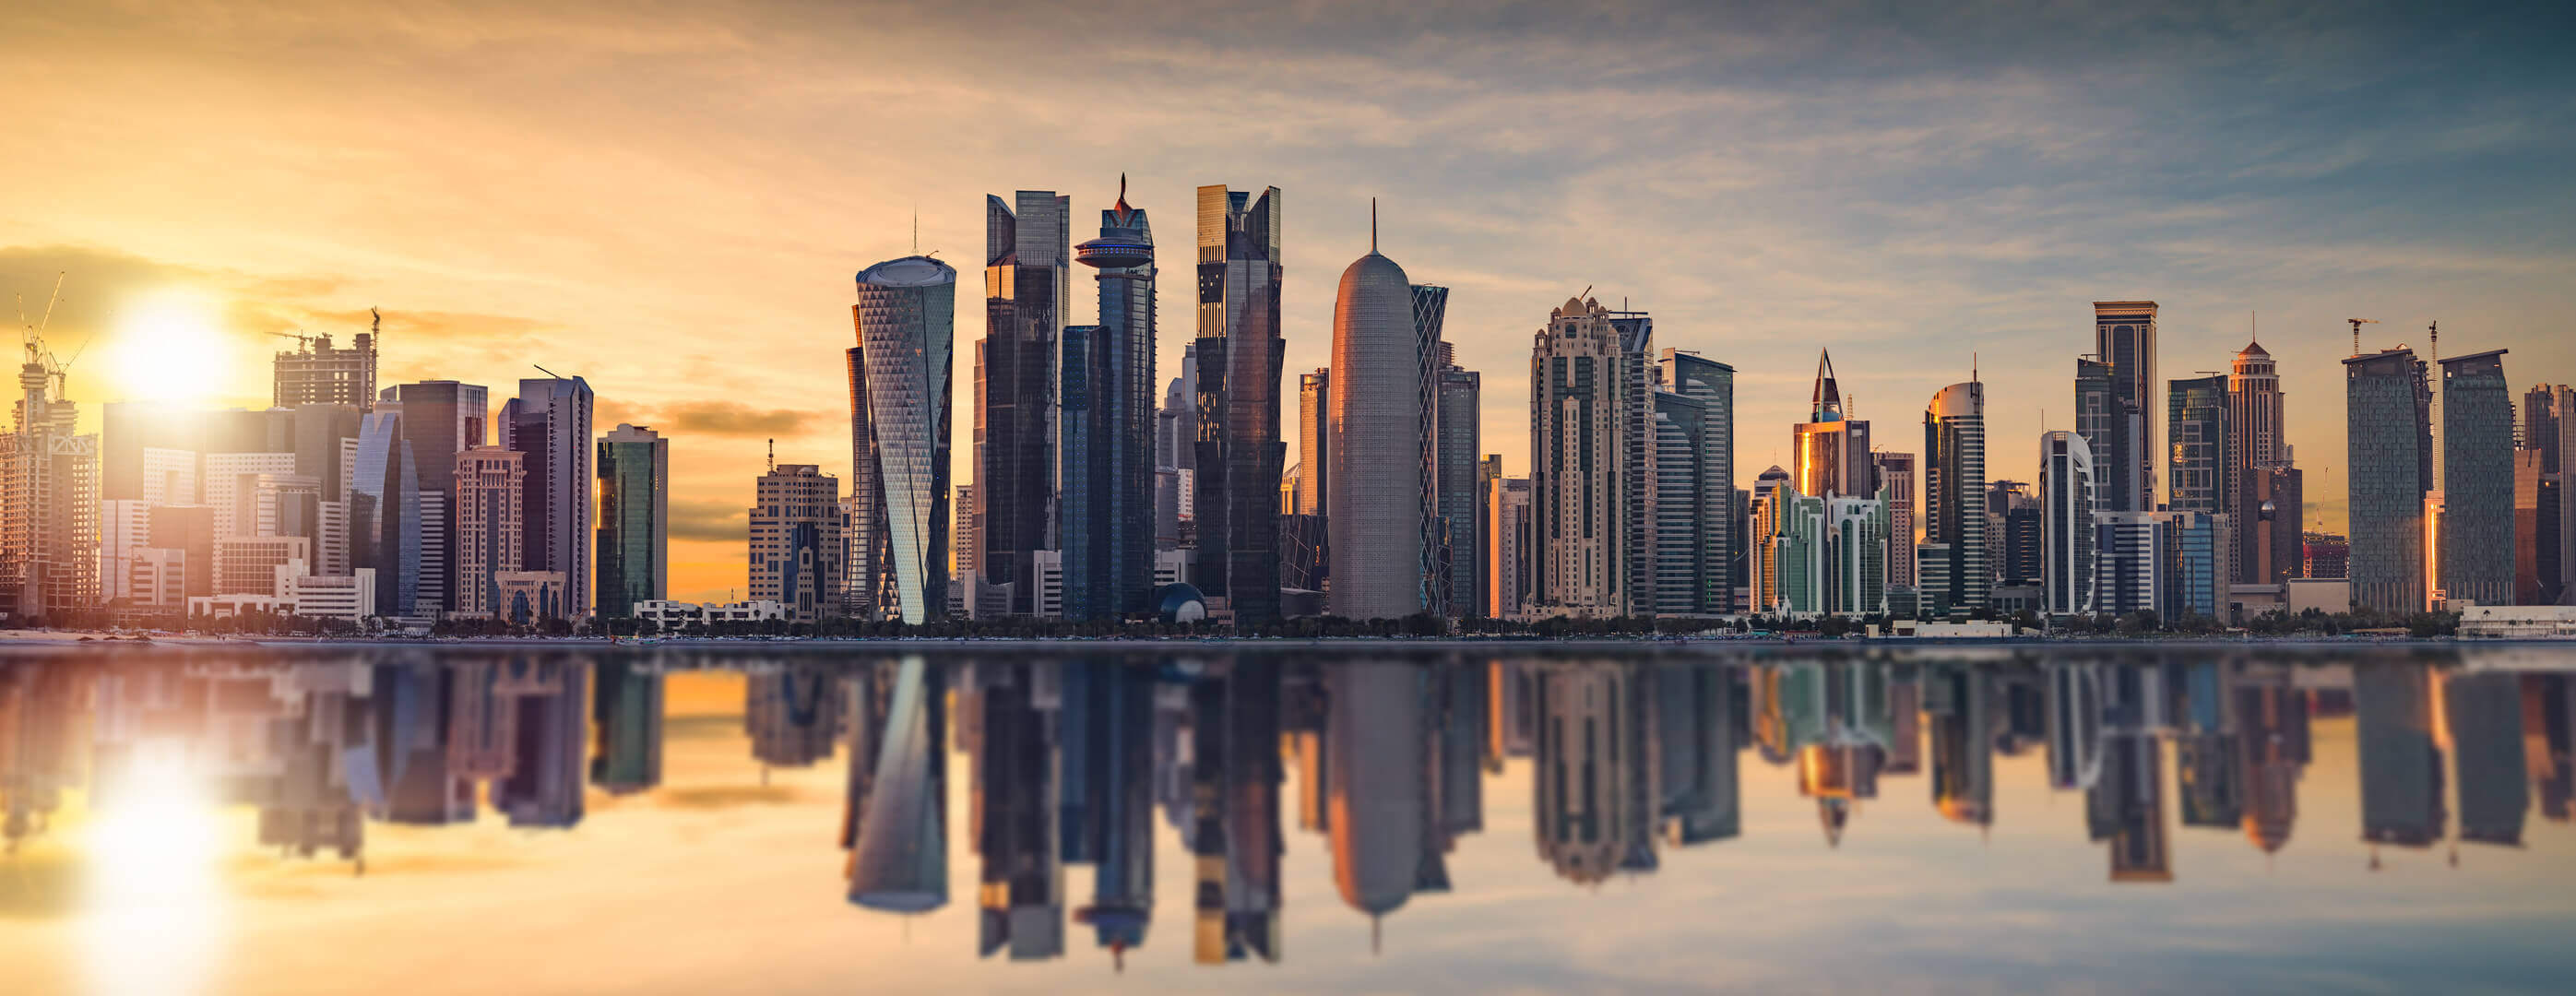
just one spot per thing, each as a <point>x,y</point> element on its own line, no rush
<point>476,820</point>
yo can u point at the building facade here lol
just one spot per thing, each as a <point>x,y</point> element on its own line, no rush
<point>2477,529</point>
<point>634,519</point>
<point>1107,460</point>
<point>1590,429</point>
<point>796,553</point>
<point>1954,500</point>
<point>2124,341</point>
<point>1509,573</point>
<point>2199,467</point>
<point>1240,354</point>
<point>1028,282</point>
<point>1714,540</point>
<point>2388,445</point>
<point>1378,474</point>
<point>491,487</point>
<point>2066,506</point>
<point>1314,439</point>
<point>1461,490</point>
<point>551,418</point>
<point>317,373</point>
<point>901,375</point>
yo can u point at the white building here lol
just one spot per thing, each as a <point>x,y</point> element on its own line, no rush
<point>351,597</point>
<point>670,614</point>
<point>124,528</point>
<point>229,483</point>
<point>2518,622</point>
<point>247,565</point>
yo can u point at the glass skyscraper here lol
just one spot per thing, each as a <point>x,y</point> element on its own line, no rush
<point>2124,341</point>
<point>2389,447</point>
<point>2478,538</point>
<point>1696,543</point>
<point>550,421</point>
<point>2066,505</point>
<point>901,375</point>
<point>384,512</point>
<point>634,519</point>
<point>2196,415</point>
<point>1239,452</point>
<point>1954,501</point>
<point>1461,489</point>
<point>1380,484</point>
<point>1107,463</point>
<point>1027,279</point>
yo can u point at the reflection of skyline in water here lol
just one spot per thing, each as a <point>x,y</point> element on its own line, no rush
<point>1087,763</point>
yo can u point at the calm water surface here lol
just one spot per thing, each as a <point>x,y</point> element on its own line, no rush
<point>474,821</point>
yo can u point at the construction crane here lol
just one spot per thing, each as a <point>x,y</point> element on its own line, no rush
<point>34,337</point>
<point>2357,323</point>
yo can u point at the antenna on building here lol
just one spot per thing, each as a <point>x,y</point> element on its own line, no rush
<point>1372,226</point>
<point>773,456</point>
<point>375,321</point>
<point>547,372</point>
<point>916,228</point>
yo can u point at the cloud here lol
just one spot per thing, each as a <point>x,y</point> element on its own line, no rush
<point>715,521</point>
<point>726,418</point>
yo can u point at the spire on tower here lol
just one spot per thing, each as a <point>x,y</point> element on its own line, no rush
<point>1828,398</point>
<point>1372,225</point>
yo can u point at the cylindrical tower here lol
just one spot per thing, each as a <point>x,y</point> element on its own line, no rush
<point>1375,480</point>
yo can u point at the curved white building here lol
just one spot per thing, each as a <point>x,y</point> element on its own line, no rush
<point>1376,477</point>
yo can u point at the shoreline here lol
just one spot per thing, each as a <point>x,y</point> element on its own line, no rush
<point>71,640</point>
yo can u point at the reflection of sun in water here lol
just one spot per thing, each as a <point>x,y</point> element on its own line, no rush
<point>149,912</point>
<point>168,346</point>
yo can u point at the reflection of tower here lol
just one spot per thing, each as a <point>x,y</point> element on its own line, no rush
<point>1595,780</point>
<point>626,723</point>
<point>1963,780</point>
<point>2205,753</point>
<point>2401,766</point>
<point>2128,807</point>
<point>896,823</point>
<point>414,761</point>
<point>1107,763</point>
<point>1374,756</point>
<point>1696,727</point>
<point>2272,748</point>
<point>483,724</point>
<point>544,788</point>
<point>1022,893</point>
<point>2074,725</point>
<point>793,716</point>
<point>2548,705</point>
<point>2485,722</point>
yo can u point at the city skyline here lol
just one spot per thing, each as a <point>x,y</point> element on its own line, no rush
<point>1904,214</point>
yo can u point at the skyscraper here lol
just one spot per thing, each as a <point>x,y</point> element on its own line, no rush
<point>2124,339</point>
<point>1509,572</point>
<point>1589,424</point>
<point>49,518</point>
<point>490,487</point>
<point>441,418</point>
<point>2477,480</point>
<point>1377,473</point>
<point>796,552</point>
<point>634,519</point>
<point>2198,475</point>
<point>1028,279</point>
<point>2270,493</point>
<point>1314,435</point>
<point>1460,489</point>
<point>1829,454</point>
<point>2066,502</point>
<point>550,419</point>
<point>1239,453</point>
<point>1896,482</point>
<point>1714,536</point>
<point>384,513</point>
<point>1954,499</point>
<point>1430,312</point>
<point>2389,467</point>
<point>906,324</point>
<point>1107,529</point>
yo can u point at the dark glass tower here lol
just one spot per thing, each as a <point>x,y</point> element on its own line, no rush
<point>2124,339</point>
<point>1027,276</point>
<point>2196,415</point>
<point>1108,422</point>
<point>2477,536</point>
<point>2389,447</point>
<point>1239,454</point>
<point>900,376</point>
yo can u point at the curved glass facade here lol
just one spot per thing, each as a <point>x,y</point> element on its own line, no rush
<point>907,317</point>
<point>1379,481</point>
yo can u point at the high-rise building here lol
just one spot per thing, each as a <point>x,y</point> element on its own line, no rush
<point>1028,279</point>
<point>2388,470</point>
<point>1896,486</point>
<point>1489,479</point>
<point>2324,555</point>
<point>1830,455</point>
<point>634,519</point>
<point>2270,499</point>
<point>1430,312</point>
<point>1240,353</point>
<point>550,419</point>
<point>1107,460</point>
<point>2477,531</point>
<point>2535,522</point>
<point>1509,573</point>
<point>1314,438</point>
<point>49,499</point>
<point>1954,499</point>
<point>384,513</point>
<point>1379,479</point>
<point>2130,569</point>
<point>2124,340</point>
<point>491,489</point>
<point>1460,489</point>
<point>1714,538</point>
<point>2066,504</point>
<point>1590,429</point>
<point>899,390</point>
<point>2198,471</point>
<point>796,552</point>
<point>1680,557</point>
<point>441,418</point>
<point>316,373</point>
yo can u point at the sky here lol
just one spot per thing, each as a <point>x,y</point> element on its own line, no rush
<point>671,199</point>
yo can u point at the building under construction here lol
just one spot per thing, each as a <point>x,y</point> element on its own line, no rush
<point>48,498</point>
<point>317,373</point>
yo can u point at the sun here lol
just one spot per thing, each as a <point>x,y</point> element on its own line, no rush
<point>169,346</point>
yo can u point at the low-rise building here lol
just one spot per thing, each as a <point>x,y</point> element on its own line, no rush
<point>671,615</point>
<point>2518,622</point>
<point>325,596</point>
<point>2326,595</point>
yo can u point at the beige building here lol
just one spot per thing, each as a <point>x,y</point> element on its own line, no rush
<point>1590,378</point>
